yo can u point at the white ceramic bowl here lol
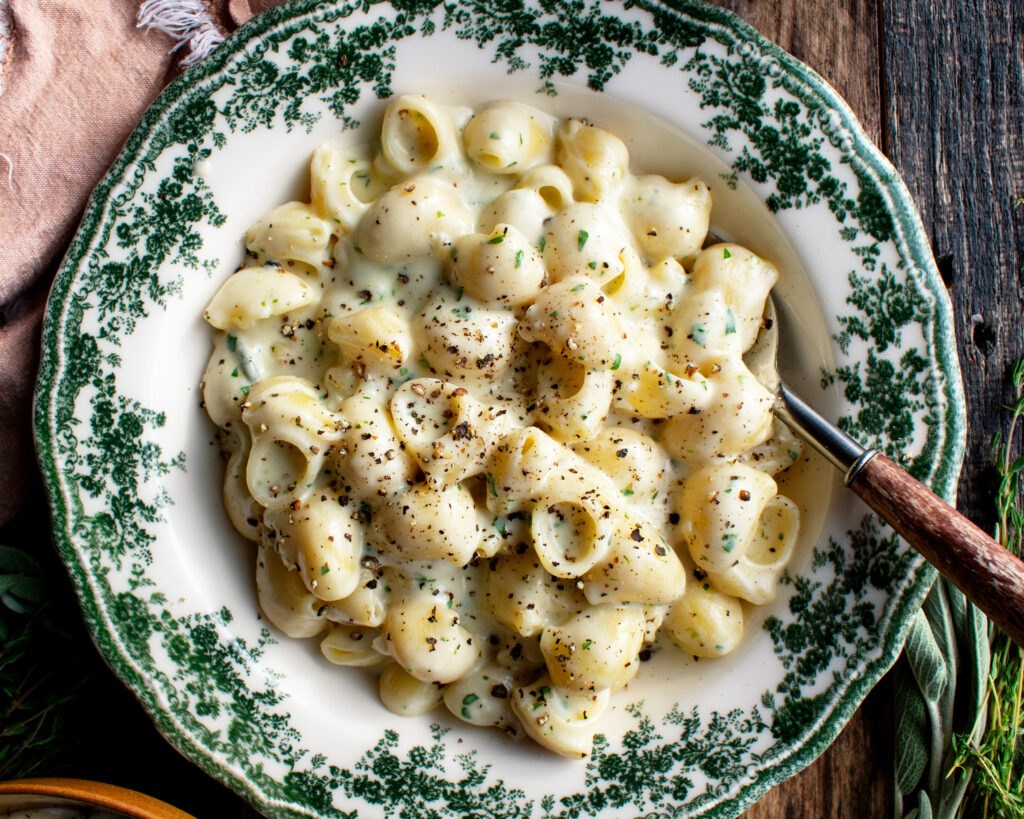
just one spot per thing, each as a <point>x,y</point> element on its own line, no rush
<point>166,585</point>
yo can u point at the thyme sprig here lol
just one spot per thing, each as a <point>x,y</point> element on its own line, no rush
<point>41,673</point>
<point>995,762</point>
<point>35,697</point>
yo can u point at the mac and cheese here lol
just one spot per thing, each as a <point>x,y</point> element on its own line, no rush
<point>487,416</point>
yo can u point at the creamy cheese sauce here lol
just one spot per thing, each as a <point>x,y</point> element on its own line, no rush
<point>487,414</point>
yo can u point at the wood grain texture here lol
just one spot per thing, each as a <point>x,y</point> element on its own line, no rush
<point>840,39</point>
<point>954,128</point>
<point>990,576</point>
<point>940,85</point>
<point>837,38</point>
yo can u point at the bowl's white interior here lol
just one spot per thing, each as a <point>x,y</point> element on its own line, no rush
<point>211,566</point>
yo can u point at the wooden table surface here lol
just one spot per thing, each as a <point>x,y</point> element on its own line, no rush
<point>939,86</point>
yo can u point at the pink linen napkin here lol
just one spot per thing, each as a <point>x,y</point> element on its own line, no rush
<point>74,79</point>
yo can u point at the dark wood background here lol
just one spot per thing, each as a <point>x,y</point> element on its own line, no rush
<point>939,86</point>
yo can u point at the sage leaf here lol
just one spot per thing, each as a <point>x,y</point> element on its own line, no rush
<point>924,806</point>
<point>15,561</point>
<point>925,658</point>
<point>940,689</point>
<point>913,733</point>
<point>951,795</point>
<point>21,585</point>
<point>972,634</point>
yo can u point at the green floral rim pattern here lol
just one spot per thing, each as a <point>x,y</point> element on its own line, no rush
<point>776,121</point>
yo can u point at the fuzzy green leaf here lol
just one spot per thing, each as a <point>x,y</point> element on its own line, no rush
<point>21,585</point>
<point>15,561</point>
<point>913,734</point>
<point>925,659</point>
<point>972,635</point>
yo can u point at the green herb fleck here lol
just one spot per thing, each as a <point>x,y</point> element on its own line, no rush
<point>730,322</point>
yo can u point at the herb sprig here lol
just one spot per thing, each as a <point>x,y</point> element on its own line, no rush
<point>41,672</point>
<point>995,761</point>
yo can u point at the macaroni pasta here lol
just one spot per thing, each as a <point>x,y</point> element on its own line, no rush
<point>486,414</point>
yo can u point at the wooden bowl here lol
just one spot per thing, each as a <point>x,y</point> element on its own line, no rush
<point>24,794</point>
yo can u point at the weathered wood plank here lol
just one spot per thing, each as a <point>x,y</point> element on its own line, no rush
<point>837,38</point>
<point>955,131</point>
<point>840,40</point>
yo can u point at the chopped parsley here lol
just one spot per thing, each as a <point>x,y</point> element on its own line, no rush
<point>467,701</point>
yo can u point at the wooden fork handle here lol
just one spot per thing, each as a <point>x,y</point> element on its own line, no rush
<point>990,576</point>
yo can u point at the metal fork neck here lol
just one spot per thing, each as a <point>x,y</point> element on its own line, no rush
<point>848,456</point>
